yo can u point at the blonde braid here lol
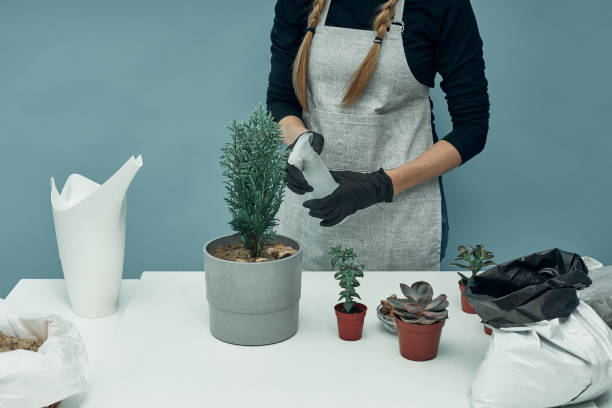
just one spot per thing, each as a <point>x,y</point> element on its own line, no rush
<point>361,78</point>
<point>300,65</point>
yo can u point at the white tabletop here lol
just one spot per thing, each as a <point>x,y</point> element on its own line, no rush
<point>164,355</point>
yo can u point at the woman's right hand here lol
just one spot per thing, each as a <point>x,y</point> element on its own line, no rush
<point>293,176</point>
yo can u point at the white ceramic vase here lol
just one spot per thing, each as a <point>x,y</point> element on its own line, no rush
<point>90,229</point>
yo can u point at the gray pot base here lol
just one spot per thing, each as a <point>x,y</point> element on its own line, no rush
<point>263,328</point>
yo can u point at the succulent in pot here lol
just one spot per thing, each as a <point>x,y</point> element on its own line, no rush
<point>419,318</point>
<point>472,258</point>
<point>349,314</point>
<point>253,277</point>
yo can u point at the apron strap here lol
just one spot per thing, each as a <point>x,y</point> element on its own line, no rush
<point>324,13</point>
<point>398,20</point>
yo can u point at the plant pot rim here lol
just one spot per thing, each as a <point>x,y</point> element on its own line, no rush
<point>208,243</point>
<point>345,315</point>
<point>416,326</point>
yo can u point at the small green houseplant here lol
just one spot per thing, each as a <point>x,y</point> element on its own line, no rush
<point>350,314</point>
<point>419,318</point>
<point>472,258</point>
<point>253,277</point>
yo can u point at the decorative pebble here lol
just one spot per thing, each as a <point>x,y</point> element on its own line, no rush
<point>282,254</point>
<point>272,252</point>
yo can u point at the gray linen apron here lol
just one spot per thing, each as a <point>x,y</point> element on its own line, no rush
<point>389,125</point>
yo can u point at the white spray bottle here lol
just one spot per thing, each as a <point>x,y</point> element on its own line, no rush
<point>304,157</point>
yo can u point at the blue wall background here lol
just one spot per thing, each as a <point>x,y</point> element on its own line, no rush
<point>85,84</point>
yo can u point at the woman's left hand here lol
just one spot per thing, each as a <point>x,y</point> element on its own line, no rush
<point>356,191</point>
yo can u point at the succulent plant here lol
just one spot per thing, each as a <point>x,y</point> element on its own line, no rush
<point>348,272</point>
<point>475,258</point>
<point>419,306</point>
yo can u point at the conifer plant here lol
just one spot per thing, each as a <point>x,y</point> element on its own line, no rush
<point>251,301</point>
<point>253,163</point>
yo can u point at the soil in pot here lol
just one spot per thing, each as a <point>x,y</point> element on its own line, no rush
<point>419,342</point>
<point>10,343</point>
<point>350,325</point>
<point>465,305</point>
<point>238,253</point>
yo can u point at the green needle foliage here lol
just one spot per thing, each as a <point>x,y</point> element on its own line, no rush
<point>474,259</point>
<point>254,168</point>
<point>348,272</point>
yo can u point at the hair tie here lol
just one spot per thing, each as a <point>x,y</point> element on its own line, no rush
<point>311,29</point>
<point>378,40</point>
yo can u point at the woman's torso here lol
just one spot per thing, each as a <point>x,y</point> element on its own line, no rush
<point>388,126</point>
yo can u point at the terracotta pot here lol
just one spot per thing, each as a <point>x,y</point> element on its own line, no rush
<point>350,325</point>
<point>487,329</point>
<point>465,305</point>
<point>419,342</point>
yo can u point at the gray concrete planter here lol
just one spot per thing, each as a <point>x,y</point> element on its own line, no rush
<point>253,303</point>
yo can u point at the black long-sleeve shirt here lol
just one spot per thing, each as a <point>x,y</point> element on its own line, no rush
<point>440,36</point>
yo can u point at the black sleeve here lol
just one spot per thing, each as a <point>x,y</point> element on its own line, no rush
<point>459,59</point>
<point>287,34</point>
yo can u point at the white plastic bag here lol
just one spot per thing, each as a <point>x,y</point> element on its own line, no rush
<point>591,263</point>
<point>599,294</point>
<point>36,379</point>
<point>546,364</point>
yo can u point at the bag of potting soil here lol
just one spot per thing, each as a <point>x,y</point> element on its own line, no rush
<point>33,379</point>
<point>546,343</point>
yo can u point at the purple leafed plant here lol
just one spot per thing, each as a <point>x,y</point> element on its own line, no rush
<point>419,306</point>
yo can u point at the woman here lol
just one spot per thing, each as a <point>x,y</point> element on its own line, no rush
<point>363,97</point>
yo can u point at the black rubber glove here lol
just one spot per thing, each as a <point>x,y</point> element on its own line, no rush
<point>356,191</point>
<point>293,176</point>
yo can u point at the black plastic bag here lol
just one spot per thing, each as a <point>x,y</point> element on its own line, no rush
<point>536,287</point>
